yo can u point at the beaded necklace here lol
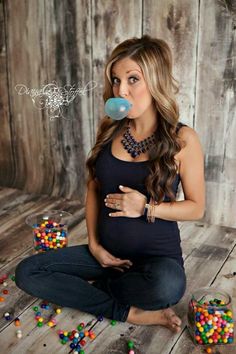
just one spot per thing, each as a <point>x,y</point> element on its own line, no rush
<point>133,147</point>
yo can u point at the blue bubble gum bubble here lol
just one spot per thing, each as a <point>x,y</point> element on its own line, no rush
<point>117,108</point>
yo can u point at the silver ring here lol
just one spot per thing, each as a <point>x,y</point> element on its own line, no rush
<point>117,205</point>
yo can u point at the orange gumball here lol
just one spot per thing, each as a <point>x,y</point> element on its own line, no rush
<point>208,350</point>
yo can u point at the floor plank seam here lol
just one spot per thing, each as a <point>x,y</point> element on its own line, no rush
<point>231,251</point>
<point>189,254</point>
<point>19,314</point>
<point>178,339</point>
<point>18,255</point>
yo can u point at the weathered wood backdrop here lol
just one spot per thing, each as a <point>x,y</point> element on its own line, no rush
<point>69,41</point>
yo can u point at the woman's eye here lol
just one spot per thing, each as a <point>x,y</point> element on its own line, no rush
<point>113,79</point>
<point>132,80</point>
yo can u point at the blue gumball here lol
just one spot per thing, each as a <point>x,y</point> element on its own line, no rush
<point>117,108</point>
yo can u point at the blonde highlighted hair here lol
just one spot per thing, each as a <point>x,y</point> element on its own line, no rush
<point>154,57</point>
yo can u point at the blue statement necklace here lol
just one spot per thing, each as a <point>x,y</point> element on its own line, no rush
<point>133,147</point>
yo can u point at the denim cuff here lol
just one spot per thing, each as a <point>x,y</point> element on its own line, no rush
<point>125,313</point>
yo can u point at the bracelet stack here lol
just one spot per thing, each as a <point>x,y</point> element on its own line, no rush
<point>149,210</point>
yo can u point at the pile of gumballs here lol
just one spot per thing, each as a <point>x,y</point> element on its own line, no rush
<point>51,320</point>
<point>211,322</point>
<point>49,235</point>
<point>77,337</point>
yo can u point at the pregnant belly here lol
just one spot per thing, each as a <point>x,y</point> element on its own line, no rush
<point>132,237</point>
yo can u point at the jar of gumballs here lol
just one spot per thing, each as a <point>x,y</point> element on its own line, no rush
<point>210,317</point>
<point>50,230</point>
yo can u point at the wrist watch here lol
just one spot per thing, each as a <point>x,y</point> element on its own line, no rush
<point>145,211</point>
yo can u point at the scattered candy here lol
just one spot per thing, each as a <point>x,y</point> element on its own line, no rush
<point>45,305</point>
<point>92,335</point>
<point>52,322</point>
<point>113,322</point>
<point>80,326</point>
<point>7,316</point>
<point>3,278</point>
<point>130,344</point>
<point>131,347</point>
<point>17,322</point>
<point>208,350</point>
<point>19,333</point>
<point>2,299</point>
<point>79,335</point>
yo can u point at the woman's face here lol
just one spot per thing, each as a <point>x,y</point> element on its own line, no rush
<point>128,82</point>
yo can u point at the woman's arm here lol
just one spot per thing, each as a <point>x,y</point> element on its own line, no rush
<point>105,258</point>
<point>91,211</point>
<point>191,171</point>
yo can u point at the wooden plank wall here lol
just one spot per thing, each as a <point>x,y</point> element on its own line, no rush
<point>69,41</point>
<point>215,107</point>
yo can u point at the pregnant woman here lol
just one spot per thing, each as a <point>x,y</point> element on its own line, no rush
<point>132,268</point>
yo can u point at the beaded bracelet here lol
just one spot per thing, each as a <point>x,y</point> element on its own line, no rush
<point>151,210</point>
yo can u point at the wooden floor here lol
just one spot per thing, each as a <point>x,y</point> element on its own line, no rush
<point>209,253</point>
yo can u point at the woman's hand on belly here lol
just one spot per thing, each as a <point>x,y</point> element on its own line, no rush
<point>106,259</point>
<point>130,204</point>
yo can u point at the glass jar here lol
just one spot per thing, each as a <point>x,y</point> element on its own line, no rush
<point>50,230</point>
<point>210,317</point>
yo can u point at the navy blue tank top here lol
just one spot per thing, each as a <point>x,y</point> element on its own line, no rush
<point>127,237</point>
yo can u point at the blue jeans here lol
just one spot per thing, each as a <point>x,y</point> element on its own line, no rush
<point>61,277</point>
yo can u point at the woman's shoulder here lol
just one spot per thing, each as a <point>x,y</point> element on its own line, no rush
<point>185,132</point>
<point>189,137</point>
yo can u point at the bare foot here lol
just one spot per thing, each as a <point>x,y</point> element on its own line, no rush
<point>166,318</point>
<point>172,321</point>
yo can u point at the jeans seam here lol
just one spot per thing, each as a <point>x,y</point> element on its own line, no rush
<point>72,264</point>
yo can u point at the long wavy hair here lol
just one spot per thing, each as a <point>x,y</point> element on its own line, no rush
<point>154,57</point>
